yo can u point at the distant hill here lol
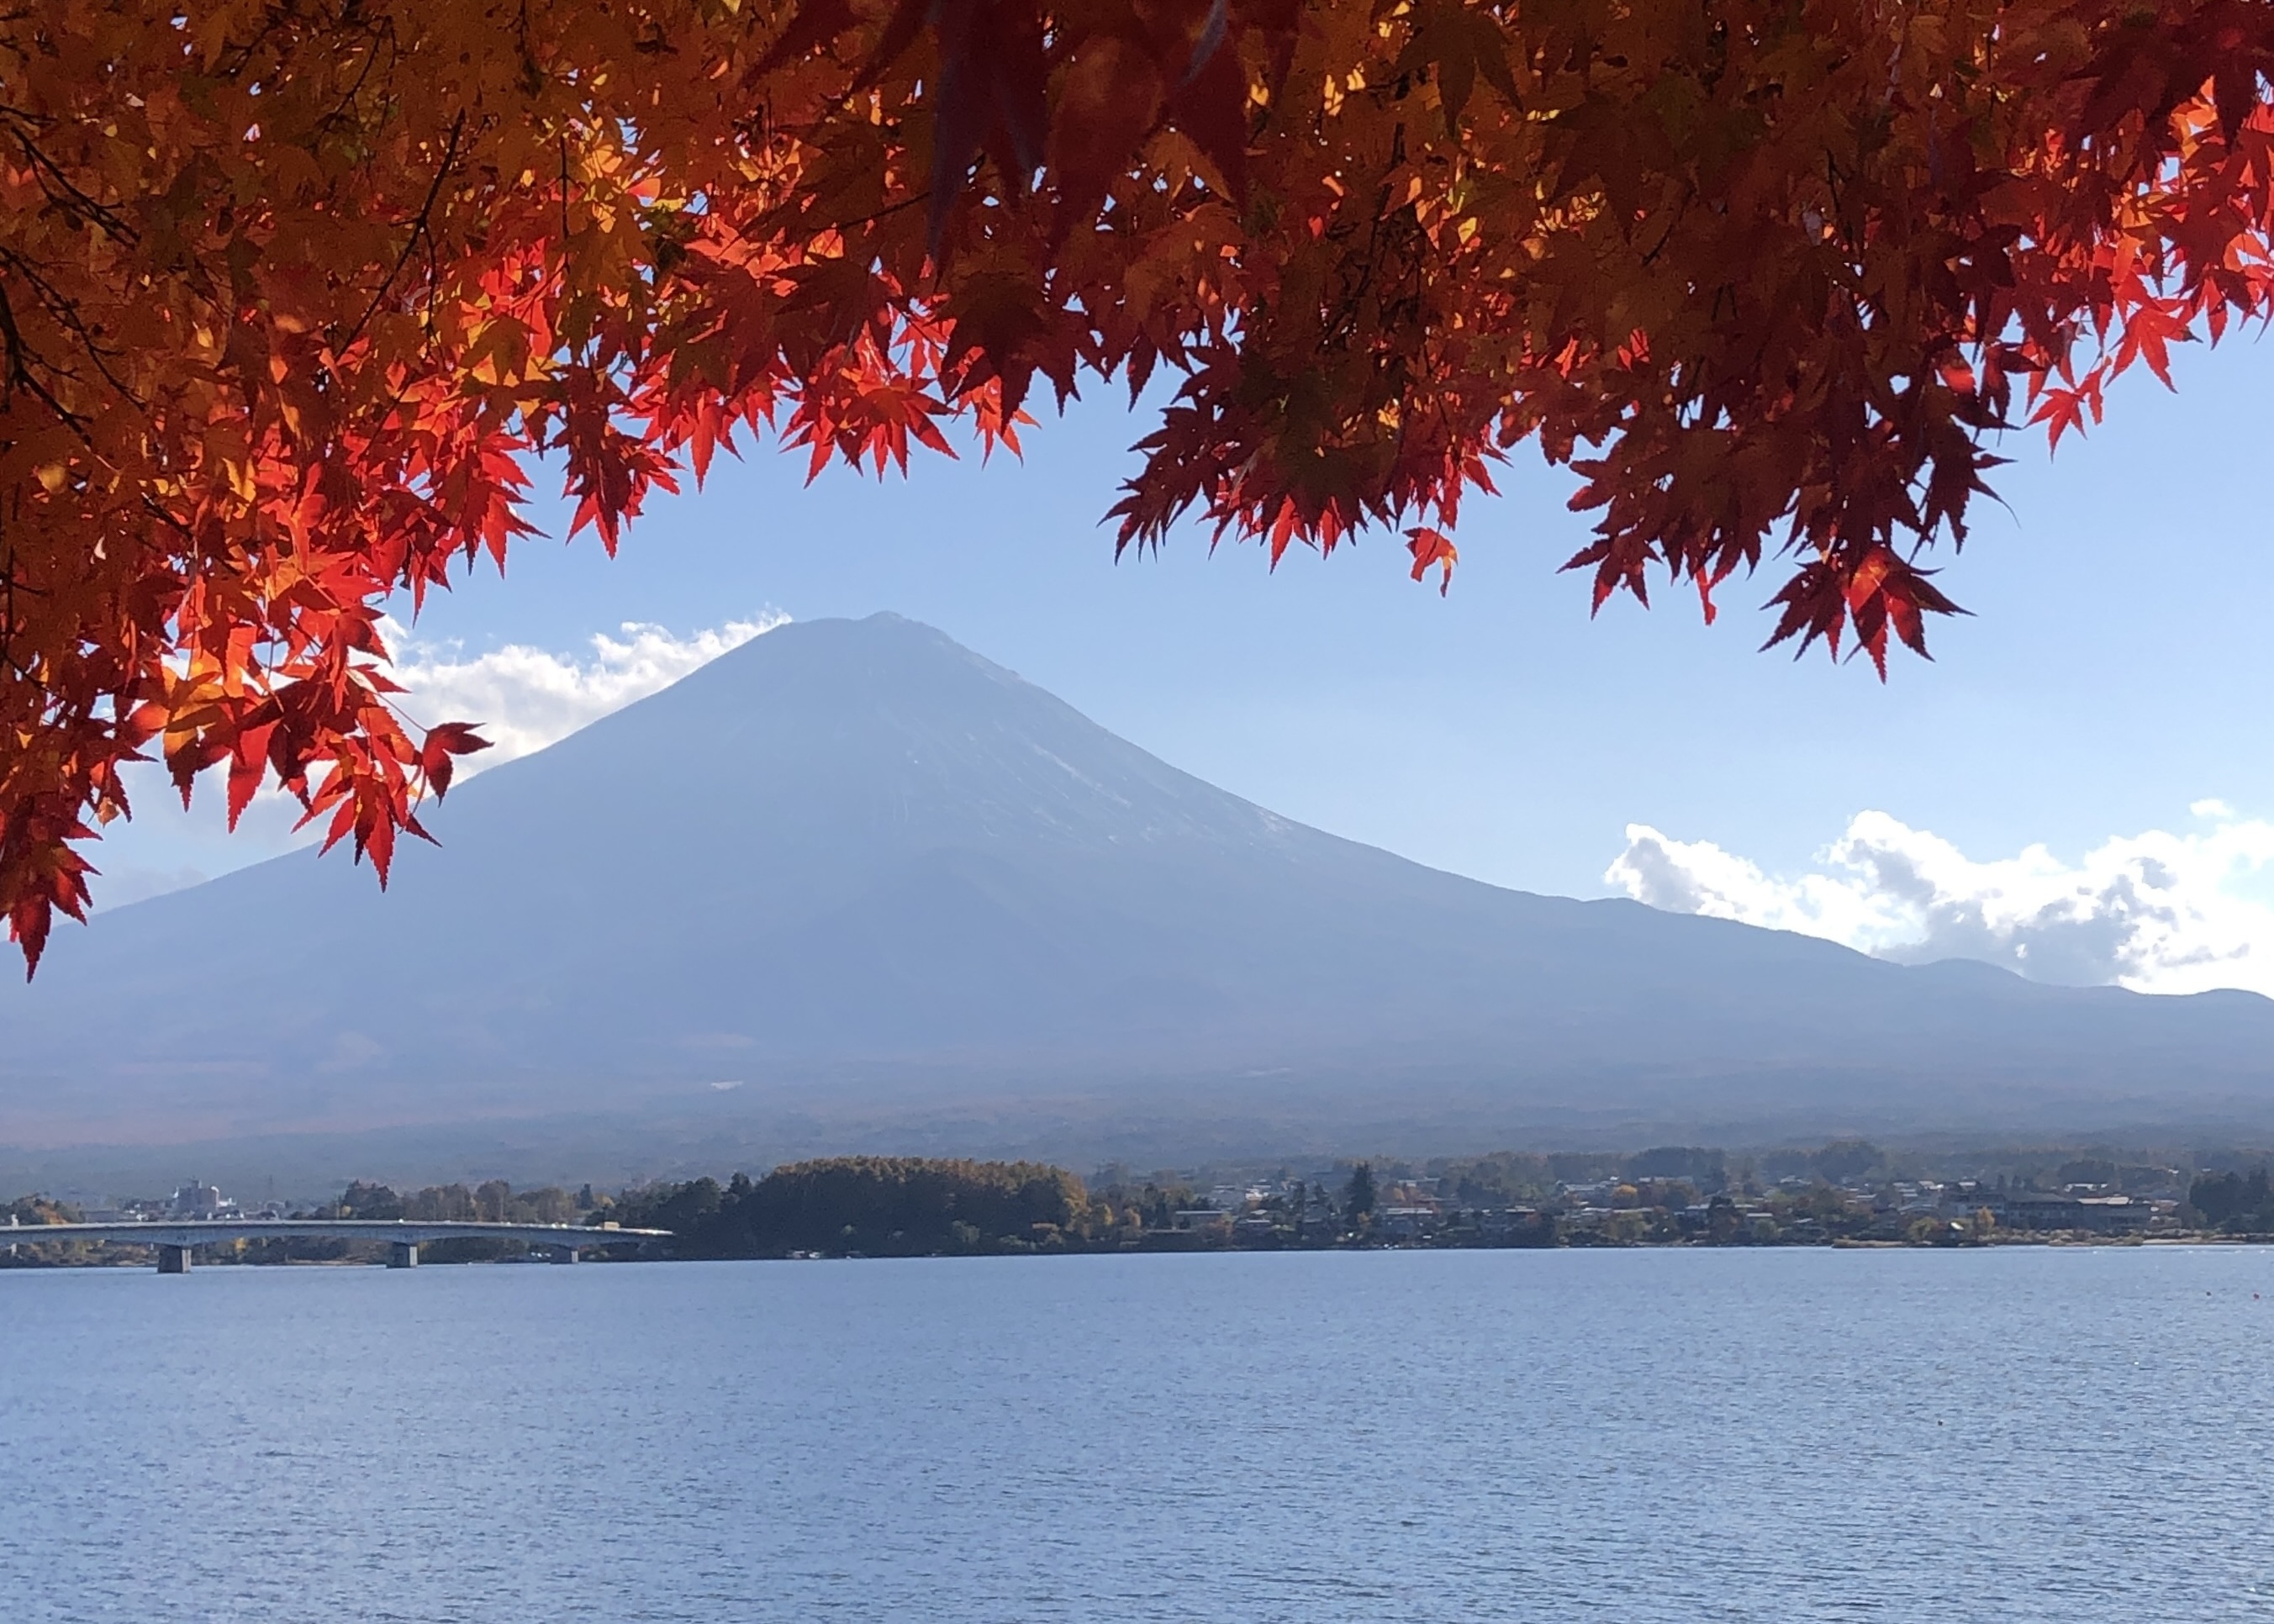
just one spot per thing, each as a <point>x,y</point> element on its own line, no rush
<point>852,884</point>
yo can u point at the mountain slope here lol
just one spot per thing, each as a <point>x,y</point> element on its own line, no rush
<point>854,867</point>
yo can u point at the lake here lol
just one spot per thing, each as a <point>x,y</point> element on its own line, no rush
<point>2011,1434</point>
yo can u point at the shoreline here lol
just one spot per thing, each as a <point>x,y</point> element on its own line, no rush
<point>9,1265</point>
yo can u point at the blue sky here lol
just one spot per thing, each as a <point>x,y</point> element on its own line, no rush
<point>2113,674</point>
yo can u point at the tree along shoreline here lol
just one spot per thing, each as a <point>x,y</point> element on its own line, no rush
<point>906,1206</point>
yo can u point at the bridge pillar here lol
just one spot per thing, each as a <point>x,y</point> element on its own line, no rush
<point>563,1255</point>
<point>173,1259</point>
<point>402,1254</point>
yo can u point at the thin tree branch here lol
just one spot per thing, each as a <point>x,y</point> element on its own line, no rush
<point>55,180</point>
<point>418,229</point>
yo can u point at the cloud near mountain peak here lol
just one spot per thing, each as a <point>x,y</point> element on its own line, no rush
<point>525,698</point>
<point>2156,912</point>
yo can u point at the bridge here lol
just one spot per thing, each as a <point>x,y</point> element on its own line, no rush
<point>177,1239</point>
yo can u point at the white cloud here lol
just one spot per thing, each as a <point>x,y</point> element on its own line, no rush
<point>2156,911</point>
<point>522,699</point>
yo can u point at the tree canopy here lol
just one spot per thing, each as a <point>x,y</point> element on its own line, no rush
<point>296,294</point>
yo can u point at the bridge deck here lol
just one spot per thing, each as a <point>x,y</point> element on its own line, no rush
<point>398,1232</point>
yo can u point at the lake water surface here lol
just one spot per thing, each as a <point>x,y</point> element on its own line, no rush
<point>2016,1434</point>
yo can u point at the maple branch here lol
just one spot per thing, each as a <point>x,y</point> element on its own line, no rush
<point>66,312</point>
<point>1673,225</point>
<point>19,371</point>
<point>54,181</point>
<point>418,229</point>
<point>157,510</point>
<point>885,213</point>
<point>382,30</point>
<point>242,52</point>
<point>8,585</point>
<point>532,77</point>
<point>1347,316</point>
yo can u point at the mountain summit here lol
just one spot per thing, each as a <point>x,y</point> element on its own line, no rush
<point>853,871</point>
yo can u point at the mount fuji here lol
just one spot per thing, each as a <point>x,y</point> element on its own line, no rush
<point>851,883</point>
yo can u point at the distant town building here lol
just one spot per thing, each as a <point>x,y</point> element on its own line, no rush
<point>1406,1223</point>
<point>2096,1214</point>
<point>201,1201</point>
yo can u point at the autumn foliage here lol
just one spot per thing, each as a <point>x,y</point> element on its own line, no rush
<point>296,294</point>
